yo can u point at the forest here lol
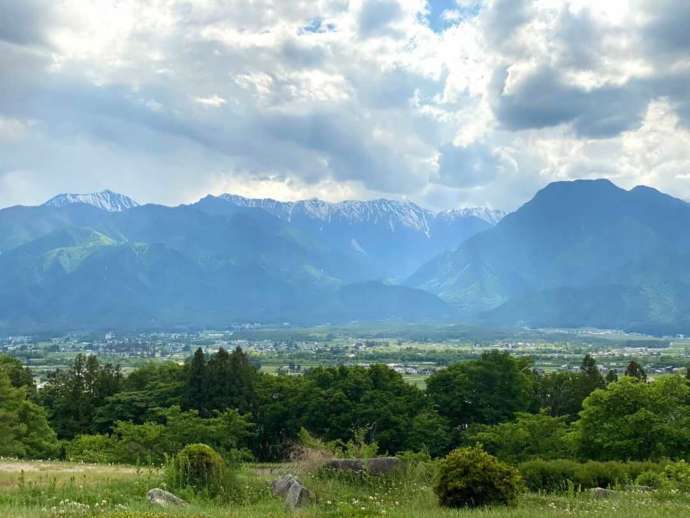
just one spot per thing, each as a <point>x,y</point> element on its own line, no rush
<point>92,412</point>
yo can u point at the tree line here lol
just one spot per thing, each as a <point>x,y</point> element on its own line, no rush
<point>90,411</point>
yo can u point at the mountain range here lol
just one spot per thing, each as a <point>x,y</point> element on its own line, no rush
<point>103,260</point>
<point>581,253</point>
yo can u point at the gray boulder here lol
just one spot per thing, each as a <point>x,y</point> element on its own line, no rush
<point>164,498</point>
<point>292,491</point>
<point>297,496</point>
<point>281,486</point>
<point>383,465</point>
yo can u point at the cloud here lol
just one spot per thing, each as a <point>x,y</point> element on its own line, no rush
<point>469,166</point>
<point>215,101</point>
<point>377,15</point>
<point>25,22</point>
<point>367,98</point>
<point>542,99</point>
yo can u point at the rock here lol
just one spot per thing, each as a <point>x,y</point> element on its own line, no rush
<point>294,493</point>
<point>281,486</point>
<point>376,466</point>
<point>383,465</point>
<point>164,498</point>
<point>600,492</point>
<point>297,496</point>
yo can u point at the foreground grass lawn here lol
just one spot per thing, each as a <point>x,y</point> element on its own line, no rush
<point>51,489</point>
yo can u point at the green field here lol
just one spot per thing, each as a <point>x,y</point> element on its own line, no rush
<point>51,489</point>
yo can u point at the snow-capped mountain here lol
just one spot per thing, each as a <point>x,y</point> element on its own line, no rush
<point>492,216</point>
<point>106,200</point>
<point>396,213</point>
<point>392,238</point>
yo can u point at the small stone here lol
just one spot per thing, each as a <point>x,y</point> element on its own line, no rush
<point>164,498</point>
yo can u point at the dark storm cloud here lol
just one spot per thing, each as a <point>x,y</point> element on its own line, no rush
<point>543,99</point>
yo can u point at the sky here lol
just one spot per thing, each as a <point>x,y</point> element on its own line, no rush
<point>448,103</point>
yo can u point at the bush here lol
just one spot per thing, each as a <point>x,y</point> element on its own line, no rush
<point>90,448</point>
<point>650,479</point>
<point>200,468</point>
<point>560,475</point>
<point>543,475</point>
<point>470,477</point>
<point>678,473</point>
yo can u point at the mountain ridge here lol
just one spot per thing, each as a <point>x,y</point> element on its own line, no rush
<point>106,200</point>
<point>549,262</point>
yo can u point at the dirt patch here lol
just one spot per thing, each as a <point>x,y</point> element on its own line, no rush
<point>17,467</point>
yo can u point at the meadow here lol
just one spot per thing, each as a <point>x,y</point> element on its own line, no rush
<point>59,489</point>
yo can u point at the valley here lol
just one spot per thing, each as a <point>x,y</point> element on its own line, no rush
<point>416,352</point>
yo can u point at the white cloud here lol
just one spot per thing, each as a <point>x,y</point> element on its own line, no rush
<point>214,101</point>
<point>341,98</point>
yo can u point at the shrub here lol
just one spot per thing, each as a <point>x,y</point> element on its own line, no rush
<point>650,479</point>
<point>470,477</point>
<point>678,473</point>
<point>559,475</point>
<point>543,475</point>
<point>90,448</point>
<point>200,468</point>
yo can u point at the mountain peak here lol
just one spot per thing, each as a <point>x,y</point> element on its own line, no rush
<point>105,200</point>
<point>491,216</point>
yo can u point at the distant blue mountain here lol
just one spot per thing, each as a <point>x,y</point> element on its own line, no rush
<point>582,253</point>
<point>101,260</point>
<point>387,239</point>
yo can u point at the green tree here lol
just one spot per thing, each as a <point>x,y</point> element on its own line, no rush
<point>530,436</point>
<point>560,393</point>
<point>278,416</point>
<point>24,429</point>
<point>144,392</point>
<point>72,396</point>
<point>591,376</point>
<point>20,376</point>
<point>231,381</point>
<point>611,376</point>
<point>337,402</point>
<point>630,420</point>
<point>489,390</point>
<point>635,370</point>
<point>429,432</point>
<point>196,387</point>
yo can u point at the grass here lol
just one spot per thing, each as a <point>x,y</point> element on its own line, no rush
<point>52,489</point>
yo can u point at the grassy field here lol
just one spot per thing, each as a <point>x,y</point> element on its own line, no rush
<point>51,489</point>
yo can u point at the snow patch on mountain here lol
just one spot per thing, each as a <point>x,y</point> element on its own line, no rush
<point>492,216</point>
<point>392,213</point>
<point>105,200</point>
